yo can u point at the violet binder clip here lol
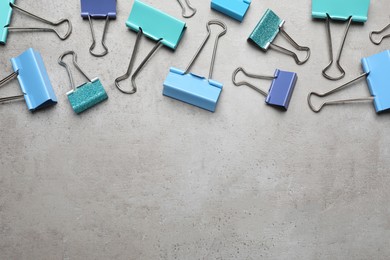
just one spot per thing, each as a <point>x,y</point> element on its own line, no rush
<point>376,70</point>
<point>156,25</point>
<point>33,79</point>
<point>6,10</point>
<point>346,10</point>
<point>183,9</point>
<point>194,89</point>
<point>98,9</point>
<point>235,9</point>
<point>266,31</point>
<point>280,92</point>
<point>379,41</point>
<point>85,95</point>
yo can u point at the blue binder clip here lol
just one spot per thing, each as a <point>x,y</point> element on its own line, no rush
<point>266,31</point>
<point>33,79</point>
<point>280,92</point>
<point>160,27</point>
<point>183,10</point>
<point>376,70</point>
<point>98,9</point>
<point>347,10</point>
<point>85,95</point>
<point>194,89</point>
<point>379,41</point>
<point>6,9</point>
<point>236,9</point>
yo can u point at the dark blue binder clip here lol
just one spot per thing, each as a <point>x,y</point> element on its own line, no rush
<point>376,69</point>
<point>191,88</point>
<point>33,79</point>
<point>280,92</point>
<point>98,9</point>
<point>236,9</point>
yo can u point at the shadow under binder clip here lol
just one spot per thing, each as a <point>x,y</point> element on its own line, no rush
<point>266,31</point>
<point>33,79</point>
<point>190,7</point>
<point>156,25</point>
<point>376,70</point>
<point>85,95</point>
<point>387,27</point>
<point>346,10</point>
<point>98,9</point>
<point>280,92</point>
<point>191,88</point>
<point>235,9</point>
<point>6,10</point>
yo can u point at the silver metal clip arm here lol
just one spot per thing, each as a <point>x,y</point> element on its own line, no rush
<point>378,33</point>
<point>245,83</point>
<point>4,82</point>
<point>62,63</point>
<point>190,7</point>
<point>94,38</point>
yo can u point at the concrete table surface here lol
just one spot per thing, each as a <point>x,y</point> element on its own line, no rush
<point>147,177</point>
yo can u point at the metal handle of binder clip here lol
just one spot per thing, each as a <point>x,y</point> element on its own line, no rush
<point>378,33</point>
<point>245,83</point>
<point>62,63</point>
<point>190,7</point>
<point>93,45</point>
<point>43,20</point>
<point>4,81</point>
<point>336,102</point>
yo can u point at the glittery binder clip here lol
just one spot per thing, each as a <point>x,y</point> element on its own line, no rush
<point>190,7</point>
<point>236,9</point>
<point>346,10</point>
<point>160,27</point>
<point>85,95</point>
<point>280,92</point>
<point>194,89</point>
<point>6,10</point>
<point>376,70</point>
<point>98,9</point>
<point>33,79</point>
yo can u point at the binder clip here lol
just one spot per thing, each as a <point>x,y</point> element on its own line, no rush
<point>236,9</point>
<point>6,9</point>
<point>190,7</point>
<point>266,31</point>
<point>378,33</point>
<point>33,79</point>
<point>156,25</point>
<point>98,9</point>
<point>280,92</point>
<point>347,10</point>
<point>376,70</point>
<point>85,95</point>
<point>194,89</point>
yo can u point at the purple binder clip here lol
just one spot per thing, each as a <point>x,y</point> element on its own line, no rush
<point>280,92</point>
<point>98,9</point>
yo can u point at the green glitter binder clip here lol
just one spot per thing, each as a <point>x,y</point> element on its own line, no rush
<point>266,31</point>
<point>87,94</point>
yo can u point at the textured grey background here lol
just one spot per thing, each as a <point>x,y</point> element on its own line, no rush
<point>148,177</point>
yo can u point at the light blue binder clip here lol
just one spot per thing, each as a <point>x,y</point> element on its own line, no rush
<point>85,95</point>
<point>33,79</point>
<point>376,69</point>
<point>236,9</point>
<point>6,8</point>
<point>194,89</point>
<point>346,10</point>
<point>156,25</point>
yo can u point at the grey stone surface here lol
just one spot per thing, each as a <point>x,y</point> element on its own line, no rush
<point>147,177</point>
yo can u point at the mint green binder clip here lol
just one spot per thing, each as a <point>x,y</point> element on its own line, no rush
<point>156,25</point>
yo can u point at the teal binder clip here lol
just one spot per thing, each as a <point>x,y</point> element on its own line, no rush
<point>85,95</point>
<point>346,10</point>
<point>156,25</point>
<point>6,8</point>
<point>183,9</point>
<point>266,31</point>
<point>33,79</point>
<point>376,70</point>
<point>235,9</point>
<point>194,89</point>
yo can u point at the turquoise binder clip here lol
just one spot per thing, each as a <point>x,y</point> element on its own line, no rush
<point>85,95</point>
<point>33,79</point>
<point>376,69</point>
<point>346,10</point>
<point>183,9</point>
<point>156,25</point>
<point>194,89</point>
<point>266,31</point>
<point>6,8</point>
<point>236,9</point>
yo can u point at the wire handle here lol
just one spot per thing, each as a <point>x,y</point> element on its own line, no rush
<point>4,81</point>
<point>378,33</point>
<point>104,53</point>
<point>245,83</point>
<point>190,7</point>
<point>63,64</point>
